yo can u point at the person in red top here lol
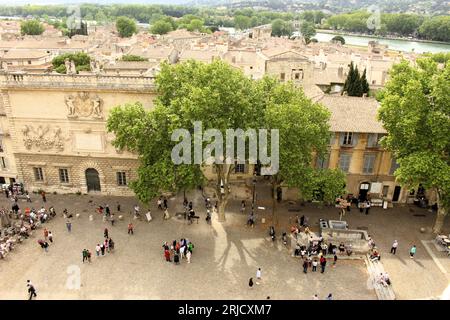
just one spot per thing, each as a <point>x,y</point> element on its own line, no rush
<point>167,255</point>
<point>323,263</point>
<point>45,233</point>
<point>130,228</point>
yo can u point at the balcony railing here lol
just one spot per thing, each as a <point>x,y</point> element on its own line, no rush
<point>23,80</point>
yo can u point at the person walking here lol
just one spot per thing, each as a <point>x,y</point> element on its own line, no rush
<point>31,290</point>
<point>105,233</point>
<point>188,256</point>
<point>159,202</point>
<point>84,254</point>
<point>45,233</point>
<point>102,249</point>
<point>43,196</point>
<point>323,263</point>
<point>330,296</point>
<point>108,211</point>
<point>50,236</point>
<point>394,247</point>
<point>88,256</point>
<point>305,266</point>
<point>45,246</point>
<point>242,206</point>
<point>97,249</point>
<point>130,228</point>
<point>112,219</point>
<point>250,283</point>
<point>69,225</point>
<point>315,297</point>
<point>118,207</point>
<point>165,203</point>
<point>106,245</point>
<point>412,251</point>
<point>28,197</point>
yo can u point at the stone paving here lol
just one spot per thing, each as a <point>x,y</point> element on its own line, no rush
<point>225,256</point>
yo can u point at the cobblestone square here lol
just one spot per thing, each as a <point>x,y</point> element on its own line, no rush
<point>225,256</point>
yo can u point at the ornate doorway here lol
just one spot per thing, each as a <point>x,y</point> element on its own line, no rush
<point>92,180</point>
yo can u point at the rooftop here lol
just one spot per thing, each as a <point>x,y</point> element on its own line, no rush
<point>352,114</point>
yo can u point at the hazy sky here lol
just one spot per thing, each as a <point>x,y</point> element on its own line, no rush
<point>23,2</point>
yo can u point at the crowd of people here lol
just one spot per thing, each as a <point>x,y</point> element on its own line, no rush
<point>178,250</point>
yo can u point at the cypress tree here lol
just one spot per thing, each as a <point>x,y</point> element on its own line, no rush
<point>364,83</point>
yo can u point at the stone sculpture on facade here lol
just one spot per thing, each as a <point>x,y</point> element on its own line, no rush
<point>84,106</point>
<point>43,137</point>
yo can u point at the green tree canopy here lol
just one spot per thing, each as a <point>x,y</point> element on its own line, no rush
<point>81,60</point>
<point>415,110</point>
<point>356,85</point>
<point>161,27</point>
<point>281,28</point>
<point>242,22</point>
<point>339,38</point>
<point>132,57</point>
<point>307,29</point>
<point>31,27</point>
<point>126,27</point>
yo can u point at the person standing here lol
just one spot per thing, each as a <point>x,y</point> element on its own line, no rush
<point>108,211</point>
<point>31,290</point>
<point>69,225</point>
<point>323,263</point>
<point>305,266</point>
<point>43,196</point>
<point>315,297</point>
<point>367,207</point>
<point>112,219</point>
<point>118,207</point>
<point>28,197</point>
<point>243,206</point>
<point>50,236</point>
<point>412,252</point>
<point>258,274</point>
<point>165,203</point>
<point>106,245</point>
<point>314,265</point>
<point>105,233</point>
<point>45,246</point>
<point>330,296</point>
<point>394,247</point>
<point>88,256</point>
<point>167,255</point>
<point>250,283</point>
<point>97,249</point>
<point>130,228</point>
<point>45,233</point>
<point>84,254</point>
<point>188,256</point>
<point>166,214</point>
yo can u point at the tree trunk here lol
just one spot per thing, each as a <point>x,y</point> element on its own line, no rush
<point>221,209</point>
<point>274,203</point>
<point>440,217</point>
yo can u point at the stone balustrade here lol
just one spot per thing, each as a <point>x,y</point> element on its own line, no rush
<point>91,81</point>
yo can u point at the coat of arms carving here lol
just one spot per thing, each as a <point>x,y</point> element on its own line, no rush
<point>43,137</point>
<point>83,105</point>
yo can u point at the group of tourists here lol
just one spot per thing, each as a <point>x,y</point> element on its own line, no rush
<point>178,250</point>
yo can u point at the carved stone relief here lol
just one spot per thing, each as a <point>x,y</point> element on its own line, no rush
<point>84,106</point>
<point>43,137</point>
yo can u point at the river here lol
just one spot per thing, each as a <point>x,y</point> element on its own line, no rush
<point>399,45</point>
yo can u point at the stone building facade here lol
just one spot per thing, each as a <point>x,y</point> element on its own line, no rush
<point>57,134</point>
